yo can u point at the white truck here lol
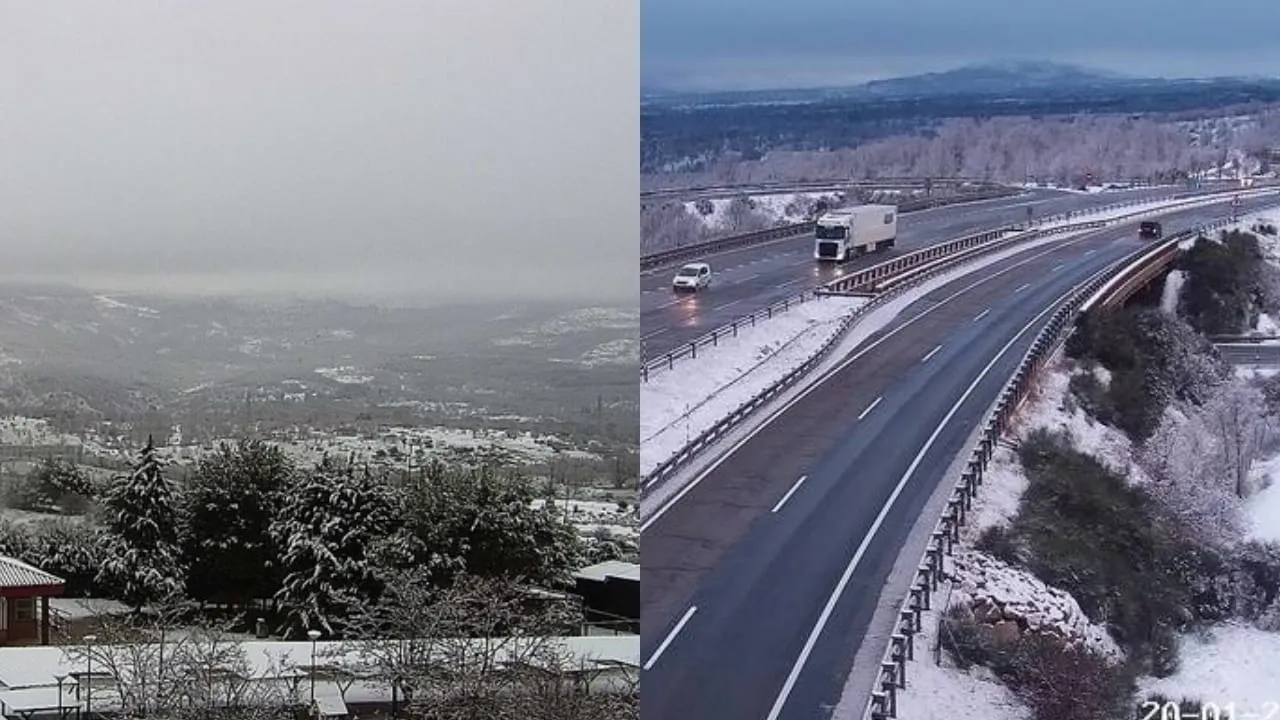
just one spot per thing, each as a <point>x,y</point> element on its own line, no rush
<point>848,232</point>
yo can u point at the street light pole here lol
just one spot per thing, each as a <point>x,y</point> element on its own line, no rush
<point>314,635</point>
<point>88,676</point>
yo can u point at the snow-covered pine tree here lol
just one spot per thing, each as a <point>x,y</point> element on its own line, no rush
<point>330,521</point>
<point>143,561</point>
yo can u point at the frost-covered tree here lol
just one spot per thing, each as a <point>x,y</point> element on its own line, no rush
<point>1188,483</point>
<point>331,520</point>
<point>1235,418</point>
<point>490,637</point>
<point>143,561</point>
<point>231,501</point>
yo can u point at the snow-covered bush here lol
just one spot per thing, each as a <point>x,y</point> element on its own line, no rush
<point>1224,282</point>
<point>1153,359</point>
<point>1104,541</point>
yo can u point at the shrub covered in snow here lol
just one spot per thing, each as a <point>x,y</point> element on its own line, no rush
<point>1153,359</point>
<point>1054,679</point>
<point>1223,283</point>
<point>1106,542</point>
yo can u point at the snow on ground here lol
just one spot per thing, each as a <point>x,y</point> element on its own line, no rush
<point>1003,483</point>
<point>1053,407</point>
<point>344,375</point>
<point>623,351</point>
<point>590,516</point>
<point>1047,407</point>
<point>1227,664</point>
<point>676,407</point>
<point>1172,291</point>
<point>1267,325</point>
<point>1263,508</point>
<point>945,692</point>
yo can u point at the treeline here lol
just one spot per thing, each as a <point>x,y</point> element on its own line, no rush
<point>306,547</point>
<point>1061,149</point>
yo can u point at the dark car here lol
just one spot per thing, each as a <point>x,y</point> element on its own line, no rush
<point>1151,230</point>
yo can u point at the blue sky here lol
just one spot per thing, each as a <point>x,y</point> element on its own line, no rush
<point>742,44</point>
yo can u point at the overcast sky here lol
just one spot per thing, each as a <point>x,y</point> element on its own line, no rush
<point>732,44</point>
<point>464,148</point>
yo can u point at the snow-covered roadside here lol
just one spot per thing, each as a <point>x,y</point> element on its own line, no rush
<point>676,407</point>
<point>936,688</point>
<point>1228,664</point>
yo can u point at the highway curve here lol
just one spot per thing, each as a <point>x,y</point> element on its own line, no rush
<point>752,278</point>
<point>733,590</point>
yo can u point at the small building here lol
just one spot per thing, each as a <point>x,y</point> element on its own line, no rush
<point>21,586</point>
<point>610,593</point>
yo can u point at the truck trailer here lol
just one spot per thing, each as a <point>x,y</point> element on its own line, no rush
<point>852,231</point>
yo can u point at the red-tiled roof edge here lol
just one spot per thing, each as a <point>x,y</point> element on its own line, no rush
<point>15,573</point>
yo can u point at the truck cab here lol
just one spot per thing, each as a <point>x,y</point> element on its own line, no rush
<point>1150,230</point>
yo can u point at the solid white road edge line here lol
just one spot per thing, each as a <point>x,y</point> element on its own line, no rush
<point>670,503</point>
<point>665,507</point>
<point>870,407</point>
<point>884,512</point>
<point>790,492</point>
<point>666,642</point>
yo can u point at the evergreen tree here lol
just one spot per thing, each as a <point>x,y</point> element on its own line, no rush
<point>327,530</point>
<point>489,525</point>
<point>143,559</point>
<point>227,545</point>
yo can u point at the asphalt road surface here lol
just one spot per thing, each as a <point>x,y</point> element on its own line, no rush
<point>1251,354</point>
<point>738,572</point>
<point>749,279</point>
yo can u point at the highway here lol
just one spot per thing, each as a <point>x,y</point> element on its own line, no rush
<point>1250,354</point>
<point>749,279</point>
<point>762,577</point>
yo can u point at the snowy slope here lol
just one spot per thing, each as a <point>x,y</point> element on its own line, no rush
<point>1230,664</point>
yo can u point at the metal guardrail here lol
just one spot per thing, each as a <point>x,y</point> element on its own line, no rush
<point>690,349</point>
<point>800,185</point>
<point>670,257</point>
<point>893,666</point>
<point>1242,339</point>
<point>693,447</point>
<point>892,672</point>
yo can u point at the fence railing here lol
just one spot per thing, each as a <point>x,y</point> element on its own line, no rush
<point>665,258</point>
<point>892,677</point>
<point>801,185</point>
<point>705,438</point>
<point>862,278</point>
<point>700,442</point>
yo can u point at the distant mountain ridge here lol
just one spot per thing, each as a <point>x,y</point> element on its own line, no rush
<point>994,78</point>
<point>998,78</point>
